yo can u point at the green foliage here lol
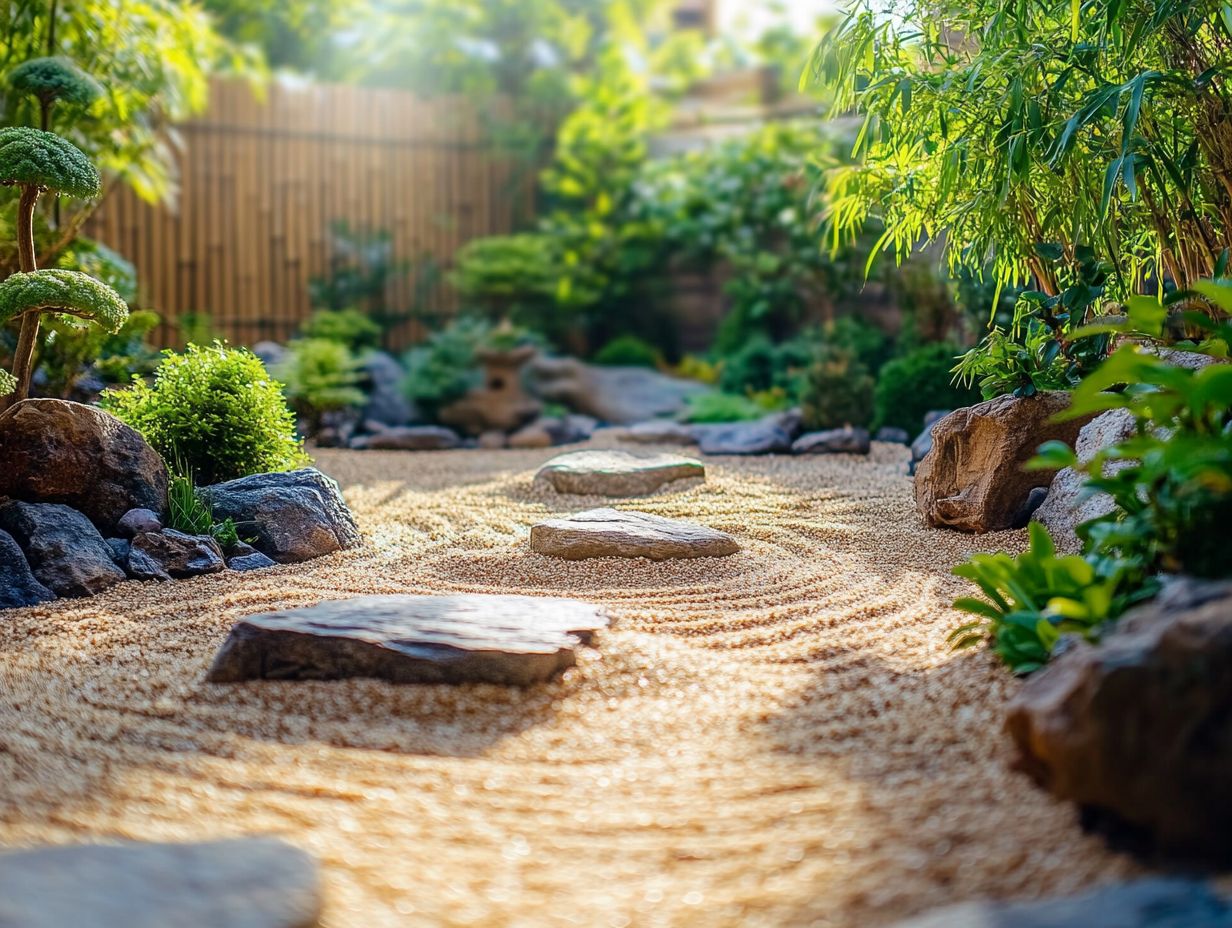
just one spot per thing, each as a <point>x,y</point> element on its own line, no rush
<point>990,129</point>
<point>31,157</point>
<point>55,79</point>
<point>918,382</point>
<point>218,409</point>
<point>348,327</point>
<point>67,292</point>
<point>1035,598</point>
<point>867,343</point>
<point>761,365</point>
<point>320,376</point>
<point>629,351</point>
<point>443,368</point>
<point>721,407</point>
<point>70,350</point>
<point>510,277</point>
<point>101,263</point>
<point>837,390</point>
<point>189,513</point>
<point>8,383</point>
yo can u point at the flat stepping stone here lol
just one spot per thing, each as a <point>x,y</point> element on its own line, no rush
<point>616,473</point>
<point>511,640</point>
<point>245,883</point>
<point>608,533</point>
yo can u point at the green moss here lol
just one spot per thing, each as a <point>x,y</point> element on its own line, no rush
<point>31,156</point>
<point>70,292</point>
<point>55,79</point>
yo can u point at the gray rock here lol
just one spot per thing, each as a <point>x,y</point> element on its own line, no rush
<point>271,353</point>
<point>656,432</point>
<point>136,521</point>
<point>1069,504</point>
<point>892,435</point>
<point>243,563</point>
<point>511,640</point>
<point>63,548</point>
<point>608,533</point>
<point>18,585</point>
<point>763,436</point>
<point>1035,499</point>
<point>617,395</point>
<point>54,451</point>
<point>410,438</point>
<point>935,415</point>
<point>243,883</point>
<point>387,404</point>
<point>920,447</point>
<point>1152,903</point>
<point>493,440</point>
<point>616,473</point>
<point>550,432</point>
<point>336,428</point>
<point>120,550</point>
<point>293,516</point>
<point>1137,729</point>
<point>833,441</point>
<point>172,555</point>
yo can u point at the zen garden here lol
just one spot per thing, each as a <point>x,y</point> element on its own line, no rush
<point>615,463</point>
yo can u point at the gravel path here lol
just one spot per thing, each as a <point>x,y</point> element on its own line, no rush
<point>775,738</point>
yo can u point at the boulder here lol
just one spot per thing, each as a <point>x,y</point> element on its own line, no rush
<point>769,435</point>
<point>608,533</point>
<point>616,473</point>
<point>120,550</point>
<point>383,381</point>
<point>18,585</point>
<point>973,478</point>
<point>241,883</point>
<point>172,555</point>
<point>54,451</point>
<point>1151,903</point>
<point>1069,504</point>
<point>64,549</point>
<point>410,438</point>
<point>833,441</point>
<point>509,640</point>
<point>656,432</point>
<point>1138,728</point>
<point>617,395</point>
<point>892,435</point>
<point>920,447</point>
<point>136,521</point>
<point>294,516</point>
<point>1034,500</point>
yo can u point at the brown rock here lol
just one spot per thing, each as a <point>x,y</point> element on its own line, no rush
<point>616,473</point>
<point>973,478</point>
<point>608,533</point>
<point>1139,727</point>
<point>511,640</point>
<point>54,451</point>
<point>172,555</point>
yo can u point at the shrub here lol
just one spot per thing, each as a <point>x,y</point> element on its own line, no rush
<point>916,383</point>
<point>320,376</point>
<point>442,369</point>
<point>762,365</point>
<point>348,327</point>
<point>628,351</point>
<point>217,410</point>
<point>70,350</point>
<point>867,343</point>
<point>509,277</point>
<point>721,407</point>
<point>837,390</point>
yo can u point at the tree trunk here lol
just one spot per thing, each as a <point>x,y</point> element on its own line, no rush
<point>23,356</point>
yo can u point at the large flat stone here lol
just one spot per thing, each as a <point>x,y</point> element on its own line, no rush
<point>616,473</point>
<point>513,640</point>
<point>608,533</point>
<point>245,883</point>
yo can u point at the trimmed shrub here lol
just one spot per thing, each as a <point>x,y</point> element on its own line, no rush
<point>216,410</point>
<point>837,390</point>
<point>761,365</point>
<point>347,327</point>
<point>721,407</point>
<point>443,368</point>
<point>628,351</point>
<point>916,383</point>
<point>320,376</point>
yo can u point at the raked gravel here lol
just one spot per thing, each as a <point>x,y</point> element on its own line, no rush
<point>776,738</point>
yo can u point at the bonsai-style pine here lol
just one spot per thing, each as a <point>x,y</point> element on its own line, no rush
<point>50,80</point>
<point>36,161</point>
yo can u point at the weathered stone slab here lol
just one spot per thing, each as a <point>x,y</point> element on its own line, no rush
<point>1154,903</point>
<point>769,435</point>
<point>244,883</point>
<point>616,473</point>
<point>833,441</point>
<point>608,533</point>
<point>512,640</point>
<point>656,432</point>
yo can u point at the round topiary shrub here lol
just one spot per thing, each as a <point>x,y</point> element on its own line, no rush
<point>628,351</point>
<point>917,383</point>
<point>214,412</point>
